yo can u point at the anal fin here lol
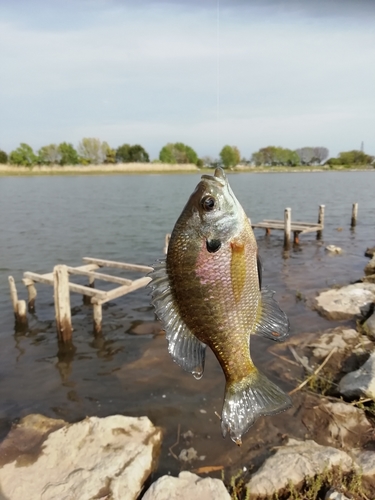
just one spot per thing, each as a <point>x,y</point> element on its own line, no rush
<point>272,322</point>
<point>186,350</point>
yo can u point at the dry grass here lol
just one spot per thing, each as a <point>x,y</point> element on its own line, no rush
<point>97,169</point>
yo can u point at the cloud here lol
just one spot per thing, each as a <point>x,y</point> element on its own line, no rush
<point>153,72</point>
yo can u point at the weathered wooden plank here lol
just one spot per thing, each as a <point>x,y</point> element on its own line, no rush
<point>100,276</point>
<point>73,287</point>
<point>297,223</point>
<point>119,265</point>
<point>293,227</point>
<point>121,290</point>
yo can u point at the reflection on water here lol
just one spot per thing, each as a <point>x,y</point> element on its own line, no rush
<point>127,369</point>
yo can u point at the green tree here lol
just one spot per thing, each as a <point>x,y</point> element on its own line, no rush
<point>92,150</point>
<point>111,156</point>
<point>48,155</point>
<point>230,156</point>
<point>69,155</point>
<point>123,153</point>
<point>178,153</point>
<point>132,154</point>
<point>23,155</point>
<point>3,157</point>
<point>354,157</point>
<point>273,156</point>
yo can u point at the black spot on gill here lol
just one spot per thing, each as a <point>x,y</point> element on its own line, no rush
<point>213,245</point>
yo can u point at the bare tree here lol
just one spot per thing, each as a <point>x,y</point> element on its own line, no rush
<point>306,155</point>
<point>49,154</point>
<point>93,150</point>
<point>320,154</point>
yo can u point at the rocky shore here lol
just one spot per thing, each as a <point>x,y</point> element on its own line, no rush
<point>322,448</point>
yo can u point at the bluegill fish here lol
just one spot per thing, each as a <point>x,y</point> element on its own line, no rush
<point>208,292</point>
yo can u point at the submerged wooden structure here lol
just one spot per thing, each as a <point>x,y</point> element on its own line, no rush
<point>59,279</point>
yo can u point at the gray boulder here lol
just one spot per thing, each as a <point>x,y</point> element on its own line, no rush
<point>294,463</point>
<point>333,249</point>
<point>99,457</point>
<point>365,460</point>
<point>345,302</point>
<point>360,383</point>
<point>187,486</point>
<point>369,327</point>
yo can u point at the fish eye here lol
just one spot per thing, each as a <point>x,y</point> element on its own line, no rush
<point>208,203</point>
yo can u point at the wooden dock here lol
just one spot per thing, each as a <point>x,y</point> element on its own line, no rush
<point>59,279</point>
<point>296,227</point>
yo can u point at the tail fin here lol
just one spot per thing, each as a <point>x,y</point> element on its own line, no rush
<point>247,400</point>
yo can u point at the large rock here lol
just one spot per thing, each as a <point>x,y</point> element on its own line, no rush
<point>370,252</point>
<point>339,339</point>
<point>345,302</point>
<point>99,457</point>
<point>370,266</point>
<point>294,463</point>
<point>369,327</point>
<point>365,461</point>
<point>187,486</point>
<point>337,424</point>
<point>360,382</point>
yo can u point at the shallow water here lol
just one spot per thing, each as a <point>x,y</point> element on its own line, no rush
<point>50,220</point>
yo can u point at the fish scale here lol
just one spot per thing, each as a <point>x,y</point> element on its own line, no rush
<point>208,293</point>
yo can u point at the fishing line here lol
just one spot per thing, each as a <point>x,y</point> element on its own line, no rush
<point>217,76</point>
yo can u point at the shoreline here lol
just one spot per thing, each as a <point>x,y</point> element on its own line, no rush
<point>156,168</point>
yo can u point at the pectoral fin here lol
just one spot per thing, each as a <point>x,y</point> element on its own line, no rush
<point>186,350</point>
<point>272,322</point>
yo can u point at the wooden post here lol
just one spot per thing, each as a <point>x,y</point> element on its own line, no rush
<point>296,237</point>
<point>354,215</point>
<point>22,315</point>
<point>62,303</point>
<point>320,221</point>
<point>13,294</point>
<point>86,298</point>
<point>31,293</point>
<point>166,243</point>
<point>287,227</point>
<point>19,306</point>
<point>268,231</point>
<point>97,310</point>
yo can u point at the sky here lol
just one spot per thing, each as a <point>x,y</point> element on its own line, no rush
<point>248,73</point>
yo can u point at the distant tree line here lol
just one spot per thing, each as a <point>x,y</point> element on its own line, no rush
<point>90,151</point>
<point>94,151</point>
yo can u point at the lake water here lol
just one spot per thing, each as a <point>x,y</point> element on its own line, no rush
<point>49,220</point>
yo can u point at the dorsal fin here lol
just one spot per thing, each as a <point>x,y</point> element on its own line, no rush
<point>186,350</point>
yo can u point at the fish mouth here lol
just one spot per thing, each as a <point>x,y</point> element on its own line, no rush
<point>219,177</point>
